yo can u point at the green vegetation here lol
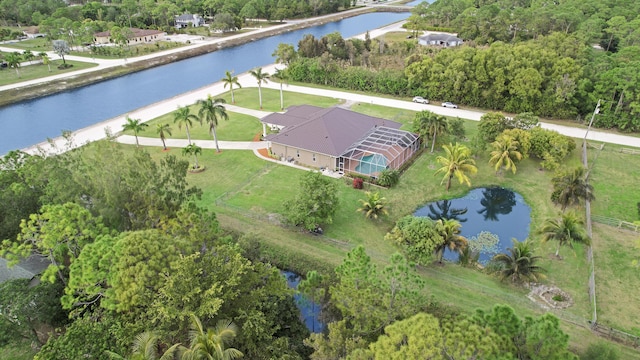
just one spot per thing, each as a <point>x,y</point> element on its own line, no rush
<point>36,71</point>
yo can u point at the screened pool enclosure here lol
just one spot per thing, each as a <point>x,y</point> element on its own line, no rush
<point>382,148</point>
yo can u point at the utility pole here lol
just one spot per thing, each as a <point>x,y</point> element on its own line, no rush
<point>596,111</point>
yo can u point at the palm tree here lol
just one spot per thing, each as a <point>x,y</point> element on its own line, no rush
<point>458,163</point>
<point>519,263</point>
<point>195,150</point>
<point>145,347</point>
<point>183,116</point>
<point>45,59</point>
<point>262,78</point>
<point>211,344</point>
<point>210,111</point>
<point>450,232</point>
<point>282,76</point>
<point>231,80</point>
<point>571,188</point>
<point>428,124</point>
<point>162,130</point>
<point>27,55</point>
<point>373,206</point>
<point>505,153</point>
<point>135,125</point>
<point>566,230</point>
<point>13,61</point>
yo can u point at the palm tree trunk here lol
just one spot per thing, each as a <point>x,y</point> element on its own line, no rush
<point>164,145</point>
<point>260,95</point>
<point>233,100</point>
<point>137,144</point>
<point>433,142</point>
<point>281,98</point>
<point>449,182</point>
<point>188,135</point>
<point>215,138</point>
<point>195,162</point>
<point>558,250</point>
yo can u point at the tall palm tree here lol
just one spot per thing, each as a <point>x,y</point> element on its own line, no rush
<point>428,124</point>
<point>374,206</point>
<point>505,153</point>
<point>458,163</point>
<point>211,344</point>
<point>519,263</point>
<point>450,232</point>
<point>195,150</point>
<point>27,55</point>
<point>230,79</point>
<point>281,76</point>
<point>210,111</point>
<point>163,130</point>
<point>571,188</point>
<point>183,116</point>
<point>45,59</point>
<point>261,78</point>
<point>145,347</point>
<point>566,230</point>
<point>13,61</point>
<point>135,125</point>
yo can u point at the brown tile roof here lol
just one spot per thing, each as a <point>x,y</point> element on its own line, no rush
<point>325,131</point>
<point>135,33</point>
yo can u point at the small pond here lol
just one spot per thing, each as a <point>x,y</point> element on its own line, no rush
<point>309,310</point>
<point>496,210</point>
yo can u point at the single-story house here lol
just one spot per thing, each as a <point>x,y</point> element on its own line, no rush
<point>137,36</point>
<point>184,20</point>
<point>339,139</point>
<point>32,32</point>
<point>439,39</point>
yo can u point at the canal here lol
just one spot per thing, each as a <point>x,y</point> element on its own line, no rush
<point>30,122</point>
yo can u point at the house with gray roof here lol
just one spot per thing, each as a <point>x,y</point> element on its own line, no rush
<point>27,268</point>
<point>339,139</point>
<point>439,39</point>
<point>184,20</point>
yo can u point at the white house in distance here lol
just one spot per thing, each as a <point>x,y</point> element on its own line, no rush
<point>184,20</point>
<point>137,36</point>
<point>439,39</point>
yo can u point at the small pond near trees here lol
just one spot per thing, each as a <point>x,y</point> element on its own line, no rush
<point>496,210</point>
<point>309,310</point>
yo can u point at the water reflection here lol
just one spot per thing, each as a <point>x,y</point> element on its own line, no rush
<point>496,201</point>
<point>442,210</point>
<point>309,310</point>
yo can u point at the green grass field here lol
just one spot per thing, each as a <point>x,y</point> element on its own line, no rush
<point>247,194</point>
<point>38,70</point>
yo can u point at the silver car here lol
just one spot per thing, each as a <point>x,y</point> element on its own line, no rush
<point>420,99</point>
<point>449,105</point>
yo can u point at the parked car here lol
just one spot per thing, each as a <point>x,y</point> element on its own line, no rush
<point>3,64</point>
<point>420,99</point>
<point>449,105</point>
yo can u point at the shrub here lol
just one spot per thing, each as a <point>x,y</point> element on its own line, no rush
<point>358,183</point>
<point>389,178</point>
<point>600,351</point>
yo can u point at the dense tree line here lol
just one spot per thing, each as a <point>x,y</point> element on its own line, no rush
<point>552,72</point>
<point>146,13</point>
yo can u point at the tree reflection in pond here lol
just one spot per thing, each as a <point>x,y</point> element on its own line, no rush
<point>496,201</point>
<point>442,210</point>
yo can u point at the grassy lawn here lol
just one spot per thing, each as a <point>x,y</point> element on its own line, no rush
<point>36,71</point>
<point>248,98</point>
<point>239,127</point>
<point>17,351</point>
<point>614,177</point>
<point>36,45</point>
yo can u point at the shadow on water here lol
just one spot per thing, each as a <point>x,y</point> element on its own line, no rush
<point>309,311</point>
<point>496,210</point>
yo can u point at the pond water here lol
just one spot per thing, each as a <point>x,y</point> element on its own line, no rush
<point>496,210</point>
<point>309,311</point>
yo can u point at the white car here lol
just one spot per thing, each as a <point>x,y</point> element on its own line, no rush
<point>420,99</point>
<point>449,105</point>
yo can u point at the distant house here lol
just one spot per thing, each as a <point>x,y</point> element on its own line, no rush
<point>32,32</point>
<point>28,268</point>
<point>339,139</point>
<point>137,36</point>
<point>439,39</point>
<point>184,20</point>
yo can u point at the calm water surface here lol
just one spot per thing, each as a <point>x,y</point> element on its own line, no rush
<point>30,122</point>
<point>309,310</point>
<point>497,210</point>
